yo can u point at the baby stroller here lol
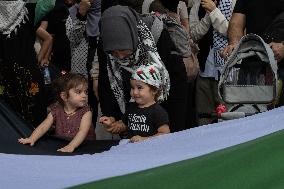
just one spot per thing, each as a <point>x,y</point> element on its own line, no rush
<point>248,82</point>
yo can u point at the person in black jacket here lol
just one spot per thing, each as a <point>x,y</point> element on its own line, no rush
<point>255,16</point>
<point>21,83</point>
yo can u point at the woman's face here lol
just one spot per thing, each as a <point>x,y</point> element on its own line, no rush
<point>123,57</point>
<point>122,54</point>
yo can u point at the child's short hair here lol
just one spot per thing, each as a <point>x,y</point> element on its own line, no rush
<point>67,82</point>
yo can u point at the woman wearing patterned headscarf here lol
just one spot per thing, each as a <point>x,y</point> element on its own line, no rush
<point>129,43</point>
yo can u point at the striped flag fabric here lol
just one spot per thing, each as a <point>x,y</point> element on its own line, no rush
<point>243,153</point>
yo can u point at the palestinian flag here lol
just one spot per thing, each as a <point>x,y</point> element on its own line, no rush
<point>243,153</point>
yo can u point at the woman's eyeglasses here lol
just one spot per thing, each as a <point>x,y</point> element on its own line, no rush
<point>124,61</point>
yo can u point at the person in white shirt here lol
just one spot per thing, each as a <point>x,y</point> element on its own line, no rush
<point>208,27</point>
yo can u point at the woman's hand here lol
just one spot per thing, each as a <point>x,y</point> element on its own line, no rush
<point>116,127</point>
<point>112,126</point>
<point>227,51</point>
<point>208,5</point>
<point>107,120</point>
<point>84,6</point>
<point>44,62</point>
<point>26,141</point>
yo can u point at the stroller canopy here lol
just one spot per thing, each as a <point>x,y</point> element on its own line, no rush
<point>250,73</point>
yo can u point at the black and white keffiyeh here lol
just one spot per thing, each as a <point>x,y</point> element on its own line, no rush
<point>12,15</point>
<point>129,32</point>
<point>220,41</point>
<point>146,54</point>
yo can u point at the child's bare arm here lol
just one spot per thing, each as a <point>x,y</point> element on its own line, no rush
<point>85,125</point>
<point>163,129</point>
<point>39,131</point>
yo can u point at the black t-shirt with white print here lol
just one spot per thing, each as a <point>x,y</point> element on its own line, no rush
<point>144,121</point>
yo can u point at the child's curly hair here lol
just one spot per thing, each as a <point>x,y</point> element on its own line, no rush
<point>67,82</point>
<point>155,89</point>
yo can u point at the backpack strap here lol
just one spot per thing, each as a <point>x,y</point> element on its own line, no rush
<point>178,35</point>
<point>155,24</point>
<point>146,6</point>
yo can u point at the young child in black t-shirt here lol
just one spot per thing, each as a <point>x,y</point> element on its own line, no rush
<point>145,118</point>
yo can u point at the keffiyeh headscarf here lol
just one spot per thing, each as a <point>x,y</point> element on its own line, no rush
<point>12,15</point>
<point>122,29</point>
<point>149,75</point>
<point>220,41</point>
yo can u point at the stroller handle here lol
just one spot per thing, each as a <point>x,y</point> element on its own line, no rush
<point>226,115</point>
<point>232,115</point>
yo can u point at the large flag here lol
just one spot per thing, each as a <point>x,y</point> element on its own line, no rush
<point>243,153</point>
<point>255,164</point>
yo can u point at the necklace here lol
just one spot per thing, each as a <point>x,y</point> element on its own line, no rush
<point>70,114</point>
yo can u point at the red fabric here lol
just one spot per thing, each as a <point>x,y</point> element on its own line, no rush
<point>221,108</point>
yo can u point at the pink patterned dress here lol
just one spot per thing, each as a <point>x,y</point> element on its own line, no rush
<point>67,125</point>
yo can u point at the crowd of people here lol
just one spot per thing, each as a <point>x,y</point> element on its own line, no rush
<point>135,59</point>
